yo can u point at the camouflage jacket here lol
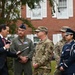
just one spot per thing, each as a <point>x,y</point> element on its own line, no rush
<point>43,53</point>
<point>58,49</point>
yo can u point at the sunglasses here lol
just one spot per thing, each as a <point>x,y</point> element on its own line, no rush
<point>38,32</point>
<point>67,35</point>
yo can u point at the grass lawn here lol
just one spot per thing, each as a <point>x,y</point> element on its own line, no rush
<point>53,64</point>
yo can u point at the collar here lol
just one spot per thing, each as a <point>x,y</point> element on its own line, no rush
<point>71,42</point>
<point>1,35</point>
<point>20,38</point>
<point>44,40</point>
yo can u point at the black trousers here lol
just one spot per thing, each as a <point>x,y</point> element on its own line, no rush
<point>68,73</point>
<point>4,71</point>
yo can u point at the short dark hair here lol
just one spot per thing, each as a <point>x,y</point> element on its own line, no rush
<point>2,26</point>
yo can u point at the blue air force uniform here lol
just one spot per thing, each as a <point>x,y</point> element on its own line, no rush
<point>68,58</point>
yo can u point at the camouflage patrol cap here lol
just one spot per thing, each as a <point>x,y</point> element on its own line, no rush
<point>41,28</point>
<point>64,28</point>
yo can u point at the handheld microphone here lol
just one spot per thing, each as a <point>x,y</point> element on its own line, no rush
<point>23,50</point>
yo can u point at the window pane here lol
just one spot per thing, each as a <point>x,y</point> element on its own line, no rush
<point>62,3</point>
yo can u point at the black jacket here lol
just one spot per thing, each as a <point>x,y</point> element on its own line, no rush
<point>4,54</point>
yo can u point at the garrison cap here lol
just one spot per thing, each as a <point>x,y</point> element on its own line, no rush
<point>22,26</point>
<point>69,31</point>
<point>64,28</point>
<point>41,28</point>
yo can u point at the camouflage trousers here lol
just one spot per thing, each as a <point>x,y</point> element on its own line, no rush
<point>57,72</point>
<point>41,72</point>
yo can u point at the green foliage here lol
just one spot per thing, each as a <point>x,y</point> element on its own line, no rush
<point>13,28</point>
<point>27,22</point>
<point>11,12</point>
<point>31,3</point>
<point>51,3</point>
<point>2,20</point>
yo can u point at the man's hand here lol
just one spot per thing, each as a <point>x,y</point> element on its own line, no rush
<point>35,65</point>
<point>24,59</point>
<point>18,52</point>
<point>61,68</point>
<point>7,46</point>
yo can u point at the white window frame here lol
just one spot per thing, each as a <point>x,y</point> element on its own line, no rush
<point>68,10</point>
<point>33,37</point>
<point>64,13</point>
<point>39,13</point>
<point>70,5</point>
<point>56,38</point>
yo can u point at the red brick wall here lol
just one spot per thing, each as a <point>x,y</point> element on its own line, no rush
<point>53,24</point>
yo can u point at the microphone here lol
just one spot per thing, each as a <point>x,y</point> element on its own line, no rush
<point>22,50</point>
<point>8,42</point>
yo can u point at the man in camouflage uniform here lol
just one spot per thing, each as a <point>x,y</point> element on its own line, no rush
<point>43,53</point>
<point>58,48</point>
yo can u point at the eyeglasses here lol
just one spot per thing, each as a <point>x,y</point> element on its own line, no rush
<point>66,35</point>
<point>38,32</point>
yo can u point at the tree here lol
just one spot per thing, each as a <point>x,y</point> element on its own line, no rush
<point>10,14</point>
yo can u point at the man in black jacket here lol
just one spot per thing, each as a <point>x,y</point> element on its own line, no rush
<point>4,49</point>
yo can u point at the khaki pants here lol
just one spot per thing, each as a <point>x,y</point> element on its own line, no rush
<point>41,72</point>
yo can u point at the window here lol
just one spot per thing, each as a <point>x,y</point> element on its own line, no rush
<point>39,12</point>
<point>34,38</point>
<point>63,9</point>
<point>57,38</point>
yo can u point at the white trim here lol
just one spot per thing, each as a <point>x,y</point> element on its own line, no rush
<point>70,8</point>
<point>37,13</point>
<point>65,12</point>
<point>62,13</point>
<point>28,11</point>
<point>44,8</point>
<point>65,65</point>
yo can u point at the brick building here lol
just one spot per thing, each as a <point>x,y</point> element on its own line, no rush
<point>64,16</point>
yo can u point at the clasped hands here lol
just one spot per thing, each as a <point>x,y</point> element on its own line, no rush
<point>23,59</point>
